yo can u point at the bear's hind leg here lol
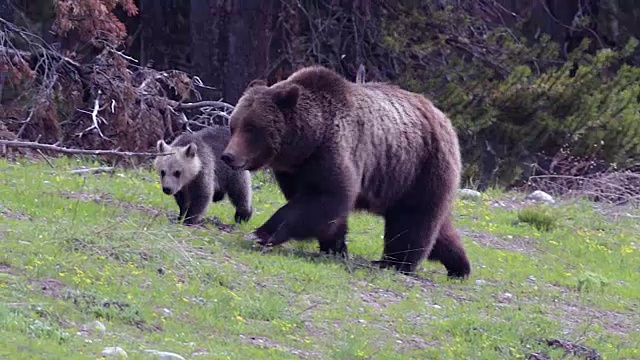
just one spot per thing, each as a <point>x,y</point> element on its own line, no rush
<point>449,251</point>
<point>409,234</point>
<point>218,195</point>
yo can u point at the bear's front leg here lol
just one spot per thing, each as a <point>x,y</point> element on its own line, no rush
<point>311,216</point>
<point>334,241</point>
<point>197,209</point>
<point>183,204</point>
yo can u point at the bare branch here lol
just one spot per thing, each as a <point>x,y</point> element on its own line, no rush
<point>190,106</point>
<point>95,118</point>
<point>360,75</point>
<point>38,146</point>
<point>93,170</point>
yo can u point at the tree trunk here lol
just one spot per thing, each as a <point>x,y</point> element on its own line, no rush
<point>209,19</point>
<point>165,34</point>
<point>6,12</point>
<point>248,44</point>
<point>230,43</point>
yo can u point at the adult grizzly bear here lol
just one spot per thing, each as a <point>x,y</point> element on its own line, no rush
<point>336,147</point>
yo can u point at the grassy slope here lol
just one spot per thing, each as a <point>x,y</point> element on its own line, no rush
<point>78,248</point>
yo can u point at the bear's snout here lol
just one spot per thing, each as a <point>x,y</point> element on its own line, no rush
<point>166,190</point>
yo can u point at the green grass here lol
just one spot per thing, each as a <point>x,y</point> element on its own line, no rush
<point>79,248</point>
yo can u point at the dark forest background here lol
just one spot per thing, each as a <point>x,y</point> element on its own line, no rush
<point>533,86</point>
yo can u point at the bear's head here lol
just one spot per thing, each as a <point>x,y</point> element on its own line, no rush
<point>178,169</point>
<point>258,125</point>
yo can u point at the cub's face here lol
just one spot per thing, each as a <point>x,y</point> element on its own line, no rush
<point>257,125</point>
<point>178,169</point>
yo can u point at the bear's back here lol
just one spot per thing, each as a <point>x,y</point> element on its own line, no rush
<point>389,135</point>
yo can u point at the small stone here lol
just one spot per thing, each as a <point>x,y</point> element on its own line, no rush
<point>540,196</point>
<point>469,194</point>
<point>164,355</point>
<point>437,306</point>
<point>94,326</point>
<point>166,311</point>
<point>531,278</point>
<point>505,297</point>
<point>250,236</point>
<point>480,282</point>
<point>114,352</point>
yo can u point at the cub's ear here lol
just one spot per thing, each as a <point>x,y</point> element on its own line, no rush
<point>257,82</point>
<point>287,98</point>
<point>190,150</point>
<point>163,147</point>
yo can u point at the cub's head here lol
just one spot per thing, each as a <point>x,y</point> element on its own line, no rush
<point>178,169</point>
<point>258,124</point>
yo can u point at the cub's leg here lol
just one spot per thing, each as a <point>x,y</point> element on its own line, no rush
<point>240,194</point>
<point>200,195</point>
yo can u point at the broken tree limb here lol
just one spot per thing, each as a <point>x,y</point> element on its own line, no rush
<point>93,170</point>
<point>63,150</point>
<point>197,105</point>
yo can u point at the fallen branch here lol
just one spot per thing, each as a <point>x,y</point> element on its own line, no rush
<point>93,170</point>
<point>38,146</point>
<point>197,105</point>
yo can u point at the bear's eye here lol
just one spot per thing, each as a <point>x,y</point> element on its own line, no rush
<point>176,174</point>
<point>162,173</point>
<point>250,129</point>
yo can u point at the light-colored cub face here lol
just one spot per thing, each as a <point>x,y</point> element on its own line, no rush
<point>178,169</point>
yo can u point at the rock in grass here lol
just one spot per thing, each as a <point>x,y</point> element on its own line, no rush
<point>164,355</point>
<point>468,194</point>
<point>94,326</point>
<point>114,352</point>
<point>541,196</point>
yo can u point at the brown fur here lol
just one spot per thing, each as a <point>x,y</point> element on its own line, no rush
<point>201,176</point>
<point>337,147</point>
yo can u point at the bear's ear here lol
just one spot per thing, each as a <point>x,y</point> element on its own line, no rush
<point>257,82</point>
<point>163,147</point>
<point>287,98</point>
<point>190,150</point>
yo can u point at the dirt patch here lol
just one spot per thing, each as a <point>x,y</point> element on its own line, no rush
<point>107,199</point>
<point>511,203</point>
<point>575,315</point>
<point>377,297</point>
<point>510,243</point>
<point>6,269</point>
<point>50,287</point>
<point>264,342</point>
<point>569,348</point>
<point>14,215</point>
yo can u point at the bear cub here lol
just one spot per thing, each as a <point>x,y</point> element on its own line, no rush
<point>195,176</point>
